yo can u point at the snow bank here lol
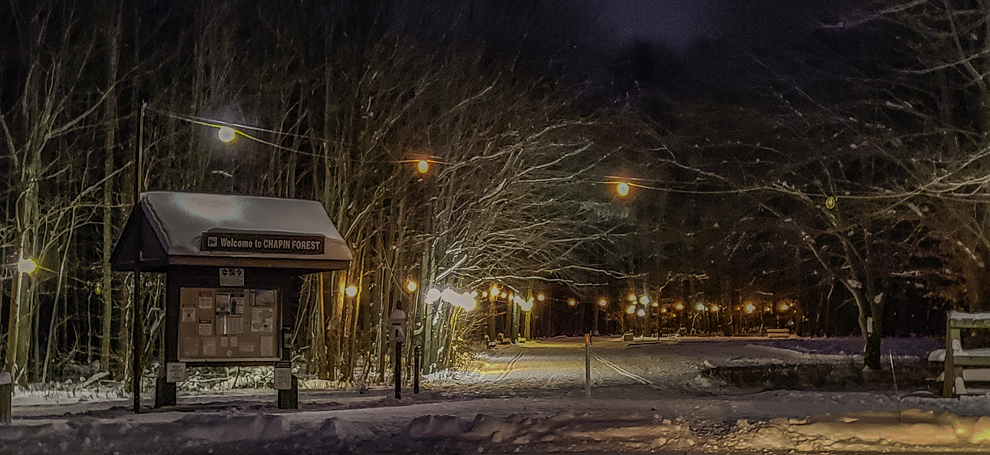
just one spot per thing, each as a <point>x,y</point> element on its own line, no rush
<point>870,431</point>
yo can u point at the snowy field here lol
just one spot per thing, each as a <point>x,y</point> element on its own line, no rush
<point>647,396</point>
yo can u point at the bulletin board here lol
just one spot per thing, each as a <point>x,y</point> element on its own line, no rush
<point>228,325</point>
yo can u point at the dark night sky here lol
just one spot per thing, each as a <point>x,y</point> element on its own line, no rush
<point>673,23</point>
<point>681,47</point>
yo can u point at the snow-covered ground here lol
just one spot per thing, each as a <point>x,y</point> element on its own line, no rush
<point>647,396</point>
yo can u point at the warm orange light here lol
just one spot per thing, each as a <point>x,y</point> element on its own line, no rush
<point>351,291</point>
<point>622,188</point>
<point>494,292</point>
<point>571,302</point>
<point>602,302</point>
<point>411,285</point>
<point>679,306</point>
<point>541,297</point>
<point>750,308</point>
<point>422,166</point>
<point>783,306</point>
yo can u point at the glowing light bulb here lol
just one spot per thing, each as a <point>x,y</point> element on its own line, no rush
<point>226,134</point>
<point>351,291</point>
<point>622,188</point>
<point>422,166</point>
<point>27,265</point>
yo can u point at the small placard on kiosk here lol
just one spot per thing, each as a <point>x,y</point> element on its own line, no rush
<point>231,277</point>
<point>283,376</point>
<point>175,372</point>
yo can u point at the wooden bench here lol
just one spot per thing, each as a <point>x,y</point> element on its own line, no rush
<point>778,333</point>
<point>963,365</point>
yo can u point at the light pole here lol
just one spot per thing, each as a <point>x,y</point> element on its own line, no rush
<point>225,134</point>
<point>24,266</point>
<point>492,297</point>
<point>137,328</point>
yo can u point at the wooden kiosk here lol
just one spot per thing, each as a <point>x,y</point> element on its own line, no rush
<point>230,264</point>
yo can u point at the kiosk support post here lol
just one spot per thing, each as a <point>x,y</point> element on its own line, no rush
<point>165,390</point>
<point>288,398</point>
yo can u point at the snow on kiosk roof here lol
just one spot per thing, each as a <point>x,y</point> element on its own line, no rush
<point>199,229</point>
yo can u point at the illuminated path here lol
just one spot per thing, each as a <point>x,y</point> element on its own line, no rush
<point>658,364</point>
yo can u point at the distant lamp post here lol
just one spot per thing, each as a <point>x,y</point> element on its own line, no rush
<point>226,134</point>
<point>24,266</point>
<point>493,294</point>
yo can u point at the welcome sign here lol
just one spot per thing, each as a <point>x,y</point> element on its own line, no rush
<point>262,243</point>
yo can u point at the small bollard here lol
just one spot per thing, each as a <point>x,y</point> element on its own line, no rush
<point>6,396</point>
<point>417,355</point>
<point>587,365</point>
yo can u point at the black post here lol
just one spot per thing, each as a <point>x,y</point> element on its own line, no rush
<point>417,353</point>
<point>165,392</point>
<point>398,371</point>
<point>136,324</point>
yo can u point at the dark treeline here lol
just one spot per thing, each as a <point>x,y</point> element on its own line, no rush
<point>735,160</point>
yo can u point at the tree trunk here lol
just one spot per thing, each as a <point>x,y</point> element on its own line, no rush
<point>110,144</point>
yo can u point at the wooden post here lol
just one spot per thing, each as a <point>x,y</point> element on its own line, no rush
<point>587,365</point>
<point>949,376</point>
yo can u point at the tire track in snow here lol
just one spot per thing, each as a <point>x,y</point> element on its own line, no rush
<point>508,367</point>
<point>622,371</point>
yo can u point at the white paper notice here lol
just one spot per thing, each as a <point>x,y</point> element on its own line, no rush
<point>209,347</point>
<point>267,347</point>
